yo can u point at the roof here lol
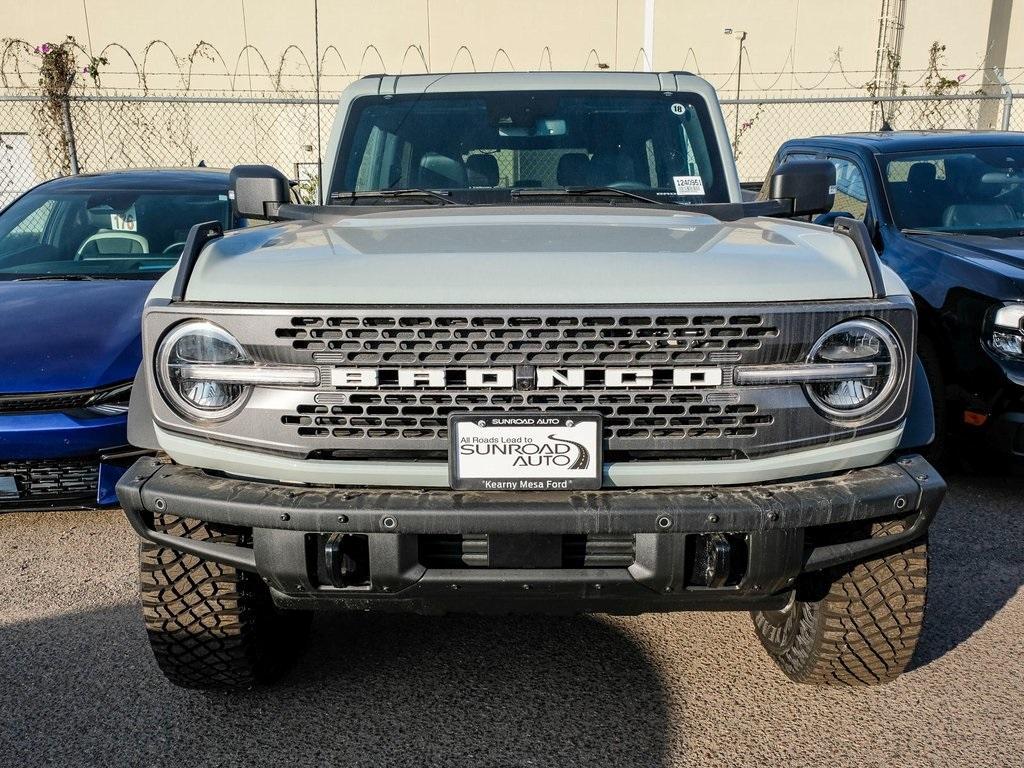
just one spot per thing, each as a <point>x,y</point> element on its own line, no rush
<point>909,141</point>
<point>603,80</point>
<point>148,180</point>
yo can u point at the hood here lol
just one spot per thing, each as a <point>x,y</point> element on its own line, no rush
<point>1002,254</point>
<point>529,255</point>
<point>58,335</point>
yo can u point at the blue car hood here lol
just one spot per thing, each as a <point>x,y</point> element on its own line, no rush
<point>58,335</point>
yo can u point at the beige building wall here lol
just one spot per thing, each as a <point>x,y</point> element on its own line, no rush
<point>791,44</point>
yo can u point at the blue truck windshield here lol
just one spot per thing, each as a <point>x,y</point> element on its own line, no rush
<point>101,234</point>
<point>964,190</point>
<point>476,143</point>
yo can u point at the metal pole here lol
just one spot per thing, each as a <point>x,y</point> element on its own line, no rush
<point>1007,97</point>
<point>69,134</point>
<point>648,35</point>
<point>319,150</point>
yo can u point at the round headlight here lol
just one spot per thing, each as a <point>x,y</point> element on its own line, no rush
<point>856,341</point>
<point>180,361</point>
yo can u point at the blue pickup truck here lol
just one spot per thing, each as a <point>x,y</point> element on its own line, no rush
<point>946,211</point>
<point>78,257</point>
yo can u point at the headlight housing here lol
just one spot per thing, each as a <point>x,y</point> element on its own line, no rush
<point>1006,337</point>
<point>180,361</point>
<point>856,341</point>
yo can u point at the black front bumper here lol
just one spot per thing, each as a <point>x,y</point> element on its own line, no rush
<point>777,532</point>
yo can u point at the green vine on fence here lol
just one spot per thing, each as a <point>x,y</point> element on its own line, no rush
<point>58,70</point>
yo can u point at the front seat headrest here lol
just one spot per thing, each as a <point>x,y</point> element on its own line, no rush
<point>482,170</point>
<point>921,175</point>
<point>442,172</point>
<point>572,169</point>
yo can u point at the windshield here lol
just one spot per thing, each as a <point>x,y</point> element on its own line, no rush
<point>478,143</point>
<point>101,234</point>
<point>970,191</point>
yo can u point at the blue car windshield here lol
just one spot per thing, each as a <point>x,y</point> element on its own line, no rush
<point>977,190</point>
<point>101,234</point>
<point>478,146</point>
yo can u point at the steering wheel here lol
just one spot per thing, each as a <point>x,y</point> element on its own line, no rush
<point>179,246</point>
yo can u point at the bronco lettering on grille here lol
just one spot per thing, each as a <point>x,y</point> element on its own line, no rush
<point>509,377</point>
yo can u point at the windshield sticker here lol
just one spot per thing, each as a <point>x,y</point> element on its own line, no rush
<point>678,109</point>
<point>126,223</point>
<point>688,185</point>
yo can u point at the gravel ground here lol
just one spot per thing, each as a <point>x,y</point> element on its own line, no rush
<point>78,685</point>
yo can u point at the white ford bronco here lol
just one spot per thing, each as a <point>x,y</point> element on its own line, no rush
<point>534,353</point>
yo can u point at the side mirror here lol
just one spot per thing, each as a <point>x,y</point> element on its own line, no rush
<point>257,191</point>
<point>810,185</point>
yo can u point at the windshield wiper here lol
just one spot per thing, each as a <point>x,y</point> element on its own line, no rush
<point>53,277</point>
<point>933,232</point>
<point>443,197</point>
<point>588,192</point>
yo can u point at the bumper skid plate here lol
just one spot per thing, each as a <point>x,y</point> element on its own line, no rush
<point>751,542</point>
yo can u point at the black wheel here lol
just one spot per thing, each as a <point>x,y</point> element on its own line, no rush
<point>210,625</point>
<point>938,452</point>
<point>857,625</point>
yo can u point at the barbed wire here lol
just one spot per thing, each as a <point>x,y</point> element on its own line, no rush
<point>293,69</point>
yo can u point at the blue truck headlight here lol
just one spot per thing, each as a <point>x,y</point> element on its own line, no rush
<point>857,341</point>
<point>1006,337</point>
<point>194,365</point>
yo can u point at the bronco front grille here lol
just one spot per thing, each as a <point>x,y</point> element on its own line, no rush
<point>589,339</point>
<point>626,415</point>
<point>50,482</point>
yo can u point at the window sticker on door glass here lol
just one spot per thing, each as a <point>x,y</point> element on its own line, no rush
<point>688,185</point>
<point>125,223</point>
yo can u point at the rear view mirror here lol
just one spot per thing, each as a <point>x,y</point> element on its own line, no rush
<point>809,185</point>
<point>258,191</point>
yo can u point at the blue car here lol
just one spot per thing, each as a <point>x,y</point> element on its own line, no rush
<point>946,211</point>
<point>78,257</point>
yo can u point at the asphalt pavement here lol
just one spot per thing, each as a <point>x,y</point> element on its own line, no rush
<point>78,685</point>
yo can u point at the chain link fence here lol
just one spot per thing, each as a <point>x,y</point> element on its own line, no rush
<point>40,139</point>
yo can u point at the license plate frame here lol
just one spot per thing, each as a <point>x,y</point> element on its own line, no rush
<point>564,441</point>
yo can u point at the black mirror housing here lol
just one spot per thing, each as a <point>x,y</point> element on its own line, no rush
<point>258,191</point>
<point>809,184</point>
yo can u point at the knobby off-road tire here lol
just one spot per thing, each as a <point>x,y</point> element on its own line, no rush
<point>862,625</point>
<point>212,626</point>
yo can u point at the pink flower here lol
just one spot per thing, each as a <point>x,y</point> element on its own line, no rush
<point>960,78</point>
<point>85,70</point>
<point>45,48</point>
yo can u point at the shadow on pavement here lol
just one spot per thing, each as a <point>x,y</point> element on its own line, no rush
<point>975,560</point>
<point>371,690</point>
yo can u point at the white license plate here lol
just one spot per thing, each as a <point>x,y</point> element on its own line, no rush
<point>524,451</point>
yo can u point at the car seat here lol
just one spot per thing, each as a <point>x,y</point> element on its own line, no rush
<point>439,171</point>
<point>482,170</point>
<point>980,215</point>
<point>109,243</point>
<point>572,169</point>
